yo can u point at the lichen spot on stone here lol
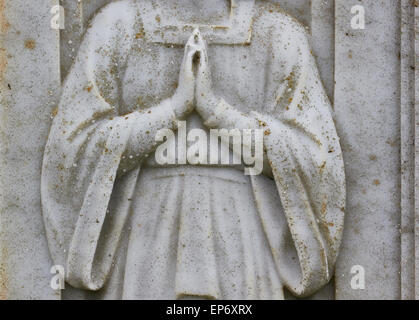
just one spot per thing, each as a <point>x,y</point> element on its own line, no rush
<point>30,44</point>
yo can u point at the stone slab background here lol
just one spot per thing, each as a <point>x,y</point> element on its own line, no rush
<point>29,90</point>
<point>369,75</point>
<point>367,107</point>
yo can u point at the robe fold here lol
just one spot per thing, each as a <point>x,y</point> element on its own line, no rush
<point>125,227</point>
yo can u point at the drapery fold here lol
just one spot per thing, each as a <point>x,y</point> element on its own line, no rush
<point>304,154</point>
<point>84,153</point>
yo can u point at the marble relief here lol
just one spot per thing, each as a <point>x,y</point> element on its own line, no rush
<point>223,149</point>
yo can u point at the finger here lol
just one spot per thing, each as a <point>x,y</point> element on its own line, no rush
<point>192,41</point>
<point>190,48</point>
<point>190,51</point>
<point>203,61</point>
<point>196,40</point>
<point>203,45</point>
<point>193,36</point>
<point>197,62</point>
<point>189,63</point>
<point>196,35</point>
<point>190,57</point>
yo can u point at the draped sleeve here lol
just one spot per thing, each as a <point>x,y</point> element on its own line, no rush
<point>92,148</point>
<point>302,207</point>
<point>304,153</point>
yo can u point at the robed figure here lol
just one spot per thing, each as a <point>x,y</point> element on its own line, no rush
<point>124,226</point>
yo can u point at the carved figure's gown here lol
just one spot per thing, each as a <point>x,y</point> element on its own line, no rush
<point>125,227</point>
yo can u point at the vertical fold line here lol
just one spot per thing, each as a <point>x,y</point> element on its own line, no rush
<point>407,132</point>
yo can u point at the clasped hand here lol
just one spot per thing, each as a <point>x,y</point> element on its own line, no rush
<point>195,85</point>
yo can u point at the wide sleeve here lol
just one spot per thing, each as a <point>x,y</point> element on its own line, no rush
<point>304,153</point>
<point>92,148</point>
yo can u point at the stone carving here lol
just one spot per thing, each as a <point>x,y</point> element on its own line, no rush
<point>124,226</point>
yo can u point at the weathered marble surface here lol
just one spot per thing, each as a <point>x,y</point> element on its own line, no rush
<point>415,54</point>
<point>29,89</point>
<point>374,111</point>
<point>96,128</point>
<point>367,107</point>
